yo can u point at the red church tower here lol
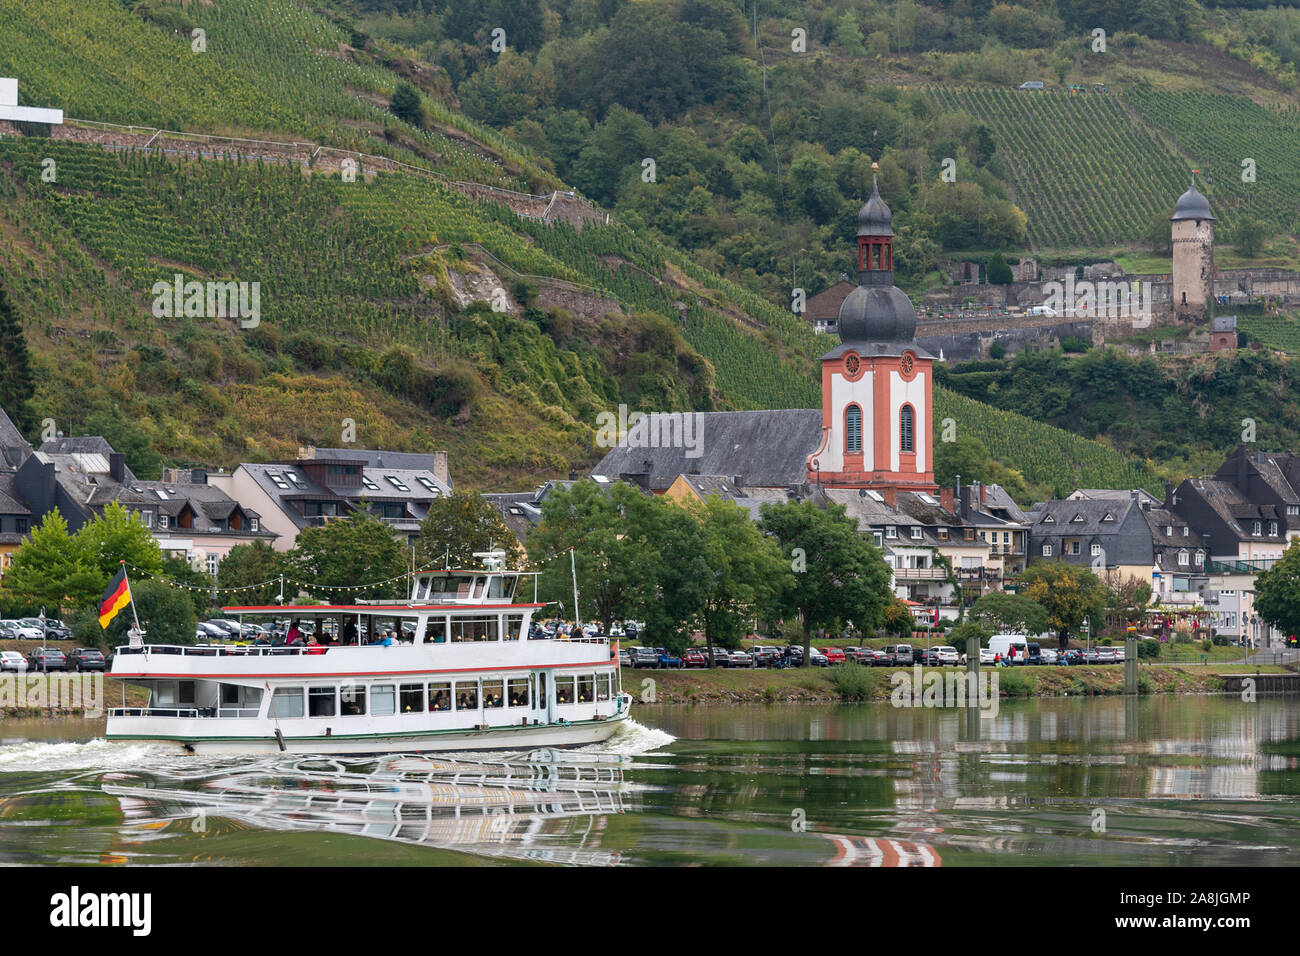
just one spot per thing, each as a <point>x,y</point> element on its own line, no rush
<point>877,413</point>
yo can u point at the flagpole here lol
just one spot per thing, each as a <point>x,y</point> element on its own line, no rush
<point>129,595</point>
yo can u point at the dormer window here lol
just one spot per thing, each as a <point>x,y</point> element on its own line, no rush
<point>1182,559</point>
<point>1184,531</point>
<point>1272,529</point>
<point>1047,550</point>
<point>891,532</point>
<point>1048,519</point>
<point>1259,527</point>
<point>162,521</point>
<point>916,534</point>
<point>1169,531</point>
<point>1096,550</point>
<point>1200,558</point>
<point>1077,519</point>
<point>253,524</point>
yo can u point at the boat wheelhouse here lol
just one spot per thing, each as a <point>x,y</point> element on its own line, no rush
<point>456,666</point>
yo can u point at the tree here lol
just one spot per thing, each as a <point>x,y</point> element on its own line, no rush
<point>679,594</point>
<point>1158,236</point>
<point>333,559</point>
<point>49,570</point>
<point>1128,596</point>
<point>1277,593</point>
<point>608,530</point>
<point>838,575</point>
<point>459,525</point>
<point>256,563</point>
<point>165,613</point>
<point>1249,236</point>
<point>16,383</point>
<point>898,619</point>
<point>195,584</point>
<point>407,106</point>
<point>1005,611</point>
<point>998,271</point>
<point>743,568</point>
<point>1068,594</point>
<point>115,536</point>
<point>966,630</point>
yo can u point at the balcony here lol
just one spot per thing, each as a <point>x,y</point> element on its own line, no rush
<point>920,574</point>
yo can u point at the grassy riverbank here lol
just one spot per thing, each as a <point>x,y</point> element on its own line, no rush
<point>823,684</point>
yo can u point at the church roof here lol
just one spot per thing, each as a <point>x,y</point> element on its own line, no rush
<point>760,448</point>
<point>874,218</point>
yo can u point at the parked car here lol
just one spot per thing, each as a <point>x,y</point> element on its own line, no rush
<point>764,655</point>
<point>86,659</point>
<point>624,658</point>
<point>12,661</point>
<point>794,654</point>
<point>943,654</point>
<point>695,658</point>
<point>986,658</point>
<point>900,655</point>
<point>1090,656</point>
<point>1106,655</point>
<point>210,632</point>
<point>834,655</point>
<point>1047,656</point>
<point>817,659</point>
<point>46,659</point>
<point>644,657</point>
<point>25,631</point>
<point>1119,655</point>
<point>877,658</point>
<point>664,659</point>
<point>1032,85</point>
<point>741,658</point>
<point>720,657</point>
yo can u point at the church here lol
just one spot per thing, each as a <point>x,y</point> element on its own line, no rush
<point>870,447</point>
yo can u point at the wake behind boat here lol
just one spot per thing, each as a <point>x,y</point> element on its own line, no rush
<point>474,676</point>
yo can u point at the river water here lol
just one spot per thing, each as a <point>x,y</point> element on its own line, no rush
<point>1149,781</point>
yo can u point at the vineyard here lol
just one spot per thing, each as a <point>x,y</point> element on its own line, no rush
<point>269,68</point>
<point>1218,132</point>
<point>1279,331</point>
<point>1046,455</point>
<point>1083,171</point>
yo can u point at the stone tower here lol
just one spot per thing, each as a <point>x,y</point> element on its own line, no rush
<point>877,413</point>
<point>1193,247</point>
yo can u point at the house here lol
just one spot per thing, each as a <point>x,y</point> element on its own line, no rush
<point>1104,534</point>
<point>198,521</point>
<point>1178,573</point>
<point>1223,333</point>
<point>311,490</point>
<point>15,519</point>
<point>823,309</point>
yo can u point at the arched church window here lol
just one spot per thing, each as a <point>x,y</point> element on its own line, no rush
<point>853,429</point>
<point>905,429</point>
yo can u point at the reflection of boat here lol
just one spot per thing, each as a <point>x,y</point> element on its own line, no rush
<point>473,676</point>
<point>532,807</point>
<point>872,851</point>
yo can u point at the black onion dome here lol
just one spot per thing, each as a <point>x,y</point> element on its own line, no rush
<point>1192,205</point>
<point>877,313</point>
<point>874,217</point>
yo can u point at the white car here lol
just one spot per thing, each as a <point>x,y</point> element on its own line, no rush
<point>1047,655</point>
<point>986,657</point>
<point>944,654</point>
<point>25,631</point>
<point>12,661</point>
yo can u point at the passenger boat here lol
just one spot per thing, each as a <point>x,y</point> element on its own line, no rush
<point>471,676</point>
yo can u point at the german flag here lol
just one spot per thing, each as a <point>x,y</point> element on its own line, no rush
<point>116,596</point>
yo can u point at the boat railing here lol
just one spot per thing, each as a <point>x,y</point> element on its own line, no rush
<point>190,712</point>
<point>224,650</point>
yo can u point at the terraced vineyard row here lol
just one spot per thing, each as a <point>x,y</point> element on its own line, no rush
<point>1219,132</point>
<point>1044,454</point>
<point>1083,171</point>
<point>271,68</point>
<point>1279,331</point>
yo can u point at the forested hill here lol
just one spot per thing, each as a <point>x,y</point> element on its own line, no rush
<point>680,302</point>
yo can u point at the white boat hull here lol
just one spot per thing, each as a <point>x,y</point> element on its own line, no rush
<point>496,738</point>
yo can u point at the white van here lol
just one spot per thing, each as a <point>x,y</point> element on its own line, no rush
<point>1002,644</point>
<point>1046,310</point>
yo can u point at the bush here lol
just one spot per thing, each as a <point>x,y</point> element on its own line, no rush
<point>853,681</point>
<point>1016,682</point>
<point>1148,649</point>
<point>997,350</point>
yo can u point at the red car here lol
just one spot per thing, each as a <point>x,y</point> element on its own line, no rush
<point>834,655</point>
<point>694,658</point>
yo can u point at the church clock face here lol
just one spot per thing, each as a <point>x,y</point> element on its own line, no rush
<point>907,364</point>
<point>852,364</point>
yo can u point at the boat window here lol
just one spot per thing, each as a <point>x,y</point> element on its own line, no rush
<point>586,688</point>
<point>185,696</point>
<point>412,698</point>
<point>320,701</point>
<point>475,628</point>
<point>352,699</point>
<point>518,694</point>
<point>467,695</point>
<point>287,702</point>
<point>449,587</point>
<point>541,690</point>
<point>164,694</point>
<point>494,693</point>
<point>383,700</point>
<point>440,696</point>
<point>478,589</point>
<point>564,689</point>
<point>603,682</point>
<point>435,631</point>
<point>422,586</point>
<point>514,627</point>
<point>496,588</point>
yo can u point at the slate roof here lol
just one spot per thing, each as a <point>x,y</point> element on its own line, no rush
<point>1234,510</point>
<point>380,458</point>
<point>300,487</point>
<point>208,503</point>
<point>80,474</point>
<point>999,503</point>
<point>1125,538</point>
<point>11,438</point>
<point>762,448</point>
<point>10,502</point>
